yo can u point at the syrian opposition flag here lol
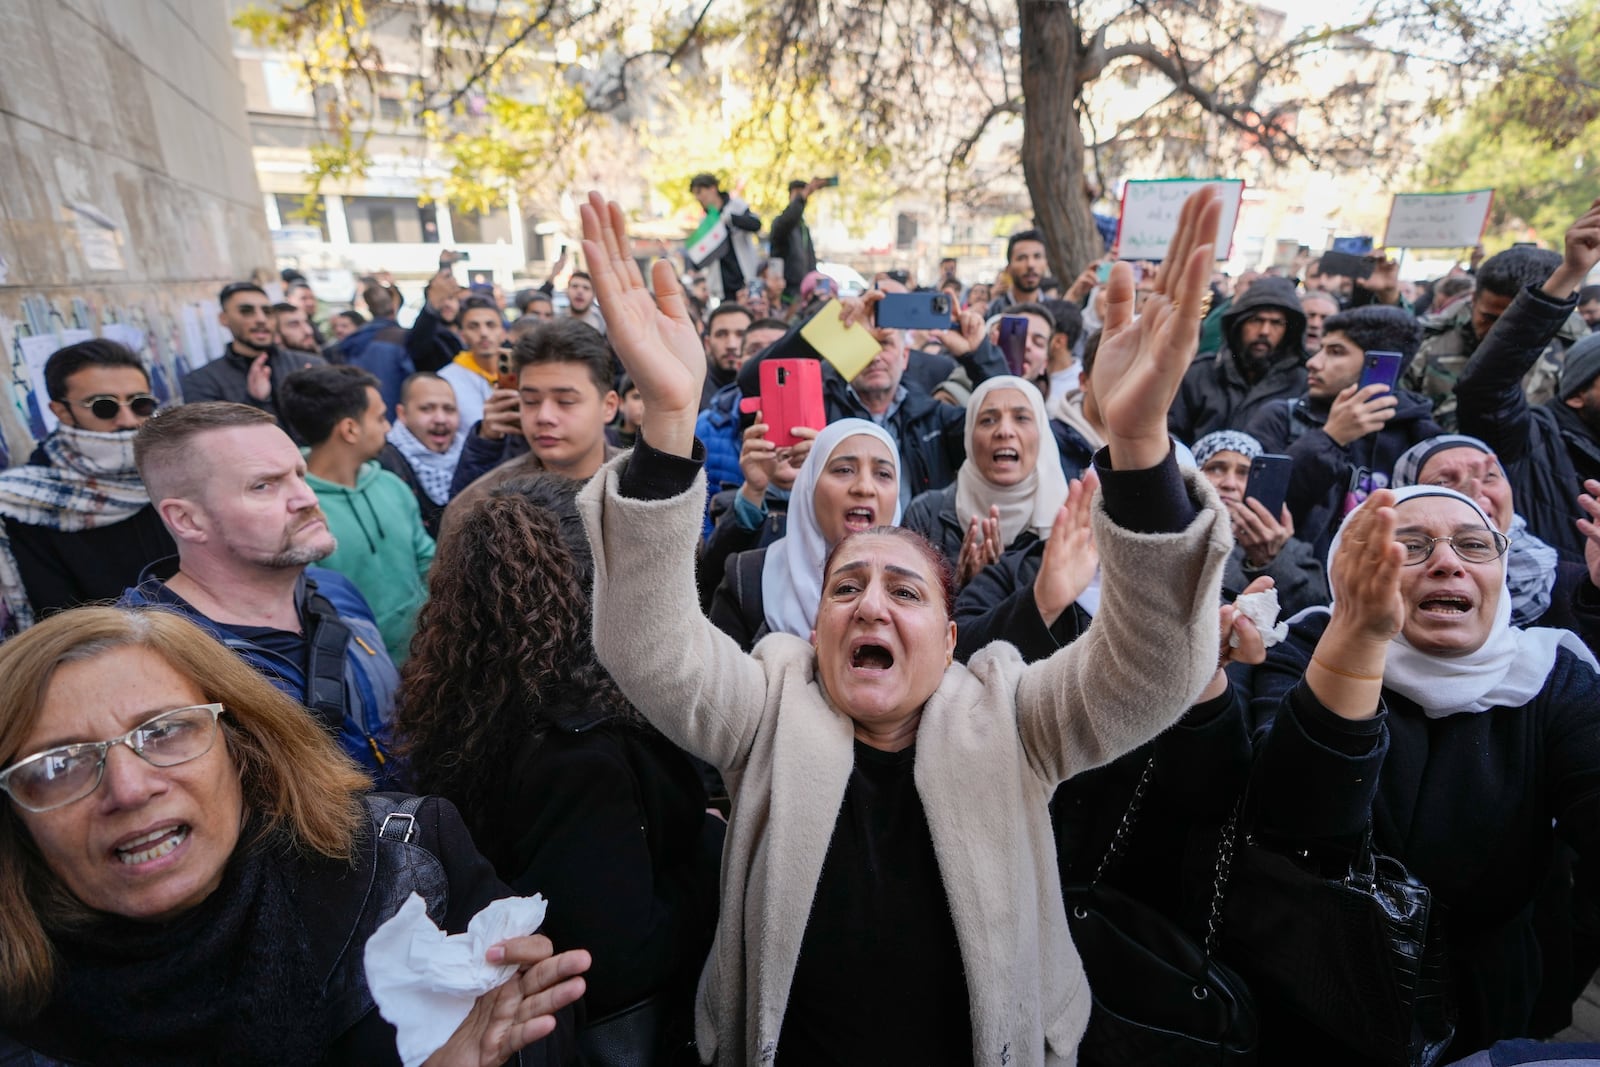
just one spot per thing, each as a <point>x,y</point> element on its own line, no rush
<point>709,240</point>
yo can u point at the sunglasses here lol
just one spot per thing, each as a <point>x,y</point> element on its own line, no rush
<point>107,407</point>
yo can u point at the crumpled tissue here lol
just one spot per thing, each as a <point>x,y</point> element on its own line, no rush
<point>1261,609</point>
<point>425,981</point>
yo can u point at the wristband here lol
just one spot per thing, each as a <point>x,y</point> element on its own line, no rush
<point>1346,674</point>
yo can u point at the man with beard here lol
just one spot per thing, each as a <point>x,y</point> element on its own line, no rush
<point>78,524</point>
<point>252,366</point>
<point>580,301</point>
<point>1027,266</point>
<point>231,488</point>
<point>725,330</point>
<point>293,331</point>
<point>1262,360</point>
<point>425,444</point>
<point>1316,306</point>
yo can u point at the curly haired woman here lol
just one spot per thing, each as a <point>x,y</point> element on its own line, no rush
<point>565,788</point>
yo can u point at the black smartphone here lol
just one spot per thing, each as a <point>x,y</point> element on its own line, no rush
<point>1014,343</point>
<point>1381,368</point>
<point>1346,265</point>
<point>831,183</point>
<point>913,311</point>
<point>1269,481</point>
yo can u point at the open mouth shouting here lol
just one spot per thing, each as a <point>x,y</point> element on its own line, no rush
<point>1006,459</point>
<point>858,519</point>
<point>1445,605</point>
<point>870,657</point>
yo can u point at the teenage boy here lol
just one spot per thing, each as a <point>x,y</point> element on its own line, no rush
<point>565,402</point>
<point>382,546</point>
<point>473,372</point>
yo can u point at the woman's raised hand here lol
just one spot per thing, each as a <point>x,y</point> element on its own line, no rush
<point>521,1010</point>
<point>1346,670</point>
<point>1140,363</point>
<point>1070,559</point>
<point>653,335</point>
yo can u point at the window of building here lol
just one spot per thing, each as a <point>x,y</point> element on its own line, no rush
<point>390,220</point>
<point>472,228</point>
<point>292,213</point>
<point>905,231</point>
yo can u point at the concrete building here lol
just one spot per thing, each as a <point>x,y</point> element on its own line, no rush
<point>127,198</point>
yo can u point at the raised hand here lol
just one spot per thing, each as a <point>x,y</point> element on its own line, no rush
<point>258,379</point>
<point>1581,253</point>
<point>1140,364</point>
<point>653,335</point>
<point>1070,559</point>
<point>968,336</point>
<point>1589,501</point>
<point>1383,282</point>
<point>981,546</point>
<point>1346,671</point>
<point>520,1011</point>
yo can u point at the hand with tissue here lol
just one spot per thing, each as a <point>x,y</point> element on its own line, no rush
<point>1242,641</point>
<point>472,999</point>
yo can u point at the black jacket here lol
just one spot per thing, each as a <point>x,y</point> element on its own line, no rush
<point>1215,394</point>
<point>1471,804</point>
<point>1325,472</point>
<point>393,461</point>
<point>738,607</point>
<point>62,569</point>
<point>1546,451</point>
<point>225,378</point>
<point>791,242</point>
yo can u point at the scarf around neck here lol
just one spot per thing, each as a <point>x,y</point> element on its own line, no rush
<point>791,576</point>
<point>1509,669</point>
<point>91,482</point>
<point>1032,503</point>
<point>433,469</point>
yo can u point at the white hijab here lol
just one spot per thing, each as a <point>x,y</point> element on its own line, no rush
<point>791,577</point>
<point>1032,503</point>
<point>1506,671</point>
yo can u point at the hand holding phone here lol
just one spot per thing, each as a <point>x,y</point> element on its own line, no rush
<point>505,368</point>
<point>1269,481</point>
<point>912,311</point>
<point>1014,343</point>
<point>1380,368</point>
<point>791,395</point>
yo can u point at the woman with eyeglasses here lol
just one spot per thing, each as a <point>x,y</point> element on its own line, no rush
<point>79,526</point>
<point>1467,744</point>
<point>189,870</point>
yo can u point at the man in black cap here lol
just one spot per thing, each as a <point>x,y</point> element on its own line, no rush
<point>1549,450</point>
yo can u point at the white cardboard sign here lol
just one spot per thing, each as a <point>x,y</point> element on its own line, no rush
<point>1150,214</point>
<point>1438,220</point>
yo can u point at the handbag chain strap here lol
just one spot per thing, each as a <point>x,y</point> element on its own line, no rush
<point>1119,840</point>
<point>1219,882</point>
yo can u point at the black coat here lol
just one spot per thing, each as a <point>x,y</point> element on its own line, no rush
<point>227,377</point>
<point>608,820</point>
<point>1546,451</point>
<point>738,606</point>
<point>791,242</point>
<point>61,569</point>
<point>1471,804</point>
<point>1324,470</point>
<point>395,462</point>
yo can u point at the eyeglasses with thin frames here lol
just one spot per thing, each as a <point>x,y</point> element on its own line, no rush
<point>1476,546</point>
<point>59,776</point>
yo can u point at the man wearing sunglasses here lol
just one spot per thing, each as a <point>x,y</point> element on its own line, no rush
<point>252,366</point>
<point>78,524</point>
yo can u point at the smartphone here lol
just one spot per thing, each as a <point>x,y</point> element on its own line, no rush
<point>913,311</point>
<point>1346,265</point>
<point>505,368</point>
<point>446,258</point>
<point>1269,481</point>
<point>481,279</point>
<point>1102,273</point>
<point>1381,368</point>
<point>1014,342</point>
<point>831,183</point>
<point>791,395</point>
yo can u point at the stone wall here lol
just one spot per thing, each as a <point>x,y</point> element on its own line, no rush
<point>127,189</point>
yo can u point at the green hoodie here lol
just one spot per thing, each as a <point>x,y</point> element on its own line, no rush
<point>383,548</point>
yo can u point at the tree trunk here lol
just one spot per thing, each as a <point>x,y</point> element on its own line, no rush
<point>1052,139</point>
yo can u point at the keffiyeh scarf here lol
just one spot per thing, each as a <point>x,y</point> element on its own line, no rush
<point>433,469</point>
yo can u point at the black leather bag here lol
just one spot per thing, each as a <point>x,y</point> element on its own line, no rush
<point>1361,957</point>
<point>1159,996</point>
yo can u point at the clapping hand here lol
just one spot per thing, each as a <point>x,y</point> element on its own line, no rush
<point>1070,559</point>
<point>1589,501</point>
<point>1141,362</point>
<point>521,1010</point>
<point>980,547</point>
<point>653,335</point>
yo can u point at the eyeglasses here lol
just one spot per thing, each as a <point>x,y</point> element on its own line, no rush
<point>106,406</point>
<point>1478,546</point>
<point>56,777</point>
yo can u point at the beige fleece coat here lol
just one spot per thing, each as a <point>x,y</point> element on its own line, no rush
<point>994,741</point>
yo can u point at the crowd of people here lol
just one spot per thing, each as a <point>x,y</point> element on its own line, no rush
<point>835,750</point>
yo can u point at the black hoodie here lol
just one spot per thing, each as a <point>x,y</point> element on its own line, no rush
<point>1215,394</point>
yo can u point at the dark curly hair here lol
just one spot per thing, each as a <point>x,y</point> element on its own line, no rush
<point>502,652</point>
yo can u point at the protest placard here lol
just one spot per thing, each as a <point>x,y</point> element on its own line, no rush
<point>1438,220</point>
<point>1150,214</point>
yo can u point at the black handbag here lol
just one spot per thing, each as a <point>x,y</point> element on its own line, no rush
<point>1159,997</point>
<point>1359,957</point>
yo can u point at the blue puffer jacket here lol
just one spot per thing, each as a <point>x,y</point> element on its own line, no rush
<point>379,347</point>
<point>718,429</point>
<point>370,677</point>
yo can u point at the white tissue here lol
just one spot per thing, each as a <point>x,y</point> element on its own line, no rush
<point>1261,609</point>
<point>425,981</point>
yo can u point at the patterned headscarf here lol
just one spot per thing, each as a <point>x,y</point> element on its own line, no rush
<point>1225,441</point>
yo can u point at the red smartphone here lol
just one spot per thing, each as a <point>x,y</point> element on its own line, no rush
<point>791,395</point>
<point>1381,368</point>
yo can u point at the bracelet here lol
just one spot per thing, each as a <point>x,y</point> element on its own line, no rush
<point>1346,674</point>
